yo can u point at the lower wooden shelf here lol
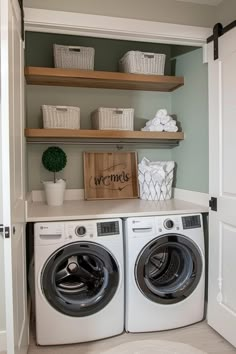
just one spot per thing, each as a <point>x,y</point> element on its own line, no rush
<point>102,136</point>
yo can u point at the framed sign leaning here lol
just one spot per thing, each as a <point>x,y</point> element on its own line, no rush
<point>110,175</point>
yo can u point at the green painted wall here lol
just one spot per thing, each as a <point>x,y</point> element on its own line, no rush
<point>190,104</point>
<point>39,51</point>
<point>73,173</point>
<point>145,104</point>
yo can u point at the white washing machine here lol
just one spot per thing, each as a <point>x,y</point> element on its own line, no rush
<point>165,272</point>
<point>79,281</point>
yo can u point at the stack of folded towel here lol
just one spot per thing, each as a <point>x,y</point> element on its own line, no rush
<point>161,122</point>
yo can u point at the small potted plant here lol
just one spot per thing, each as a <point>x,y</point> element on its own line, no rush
<point>54,160</point>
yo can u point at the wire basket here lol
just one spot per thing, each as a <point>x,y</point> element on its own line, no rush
<point>155,179</point>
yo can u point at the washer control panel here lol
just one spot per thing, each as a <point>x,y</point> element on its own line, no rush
<point>80,231</point>
<point>177,223</point>
<point>108,228</point>
<point>169,224</point>
<point>91,229</point>
<point>191,222</point>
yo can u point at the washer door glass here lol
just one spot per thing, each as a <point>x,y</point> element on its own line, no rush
<point>168,269</point>
<point>80,279</point>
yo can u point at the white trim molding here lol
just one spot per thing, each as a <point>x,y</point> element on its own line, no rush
<point>50,21</point>
<point>192,197</point>
<point>3,341</point>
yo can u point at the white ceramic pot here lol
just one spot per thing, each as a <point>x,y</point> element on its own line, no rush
<point>55,192</point>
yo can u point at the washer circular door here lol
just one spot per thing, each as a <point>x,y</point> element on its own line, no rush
<point>169,268</point>
<point>80,279</point>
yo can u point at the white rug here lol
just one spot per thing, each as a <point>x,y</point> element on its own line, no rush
<point>153,347</point>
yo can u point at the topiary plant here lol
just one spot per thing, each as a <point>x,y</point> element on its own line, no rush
<point>54,160</point>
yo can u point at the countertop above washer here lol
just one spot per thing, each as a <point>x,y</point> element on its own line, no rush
<point>101,209</point>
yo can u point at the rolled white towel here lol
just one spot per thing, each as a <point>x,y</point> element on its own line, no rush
<point>166,119</point>
<point>154,121</point>
<point>171,123</point>
<point>153,128</point>
<point>170,128</point>
<point>161,113</point>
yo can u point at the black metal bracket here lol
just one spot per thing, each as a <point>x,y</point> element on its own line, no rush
<point>7,232</point>
<point>213,203</point>
<point>217,32</point>
<point>22,19</point>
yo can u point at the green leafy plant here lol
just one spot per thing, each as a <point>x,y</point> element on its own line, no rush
<point>54,160</point>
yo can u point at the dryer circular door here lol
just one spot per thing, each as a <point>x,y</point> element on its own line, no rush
<point>168,269</point>
<point>80,279</point>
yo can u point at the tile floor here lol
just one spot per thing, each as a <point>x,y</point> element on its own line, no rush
<point>199,335</point>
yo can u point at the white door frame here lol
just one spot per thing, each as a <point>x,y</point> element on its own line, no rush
<point>50,21</point>
<point>13,178</point>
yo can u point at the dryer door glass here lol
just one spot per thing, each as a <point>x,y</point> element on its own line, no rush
<point>168,269</point>
<point>80,279</point>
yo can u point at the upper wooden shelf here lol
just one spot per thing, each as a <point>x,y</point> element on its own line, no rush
<point>101,79</point>
<point>111,136</point>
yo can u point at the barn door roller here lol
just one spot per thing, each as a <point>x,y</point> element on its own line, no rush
<point>218,31</point>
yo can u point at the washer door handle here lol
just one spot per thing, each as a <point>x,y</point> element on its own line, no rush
<point>142,229</point>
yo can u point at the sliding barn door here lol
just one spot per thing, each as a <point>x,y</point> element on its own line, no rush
<point>222,221</point>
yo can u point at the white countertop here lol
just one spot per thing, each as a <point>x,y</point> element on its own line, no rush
<point>101,209</point>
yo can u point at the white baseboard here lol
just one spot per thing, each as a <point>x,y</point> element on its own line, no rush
<point>3,341</point>
<point>191,196</point>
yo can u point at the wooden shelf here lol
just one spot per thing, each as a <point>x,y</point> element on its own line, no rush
<point>102,136</point>
<point>101,79</point>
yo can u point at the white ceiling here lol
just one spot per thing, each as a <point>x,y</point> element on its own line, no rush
<point>204,2</point>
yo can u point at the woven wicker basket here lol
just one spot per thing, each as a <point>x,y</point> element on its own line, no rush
<point>73,57</point>
<point>143,63</point>
<point>61,117</point>
<point>113,119</point>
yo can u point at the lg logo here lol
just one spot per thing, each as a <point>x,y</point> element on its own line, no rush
<point>43,227</point>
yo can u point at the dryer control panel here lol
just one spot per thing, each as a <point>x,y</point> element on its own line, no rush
<point>191,221</point>
<point>178,223</point>
<point>108,228</point>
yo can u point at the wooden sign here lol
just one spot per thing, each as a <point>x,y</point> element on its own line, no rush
<point>110,175</point>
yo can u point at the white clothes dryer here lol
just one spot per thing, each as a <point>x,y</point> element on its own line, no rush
<point>165,272</point>
<point>79,281</point>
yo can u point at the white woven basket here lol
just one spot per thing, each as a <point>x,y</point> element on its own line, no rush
<point>61,117</point>
<point>155,182</point>
<point>73,57</point>
<point>113,119</point>
<point>137,62</point>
